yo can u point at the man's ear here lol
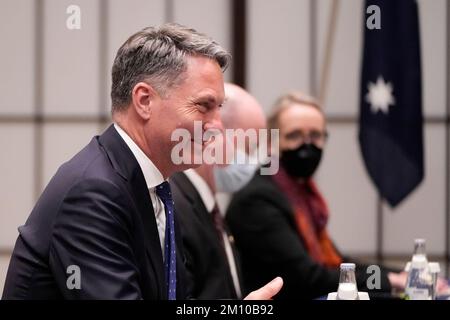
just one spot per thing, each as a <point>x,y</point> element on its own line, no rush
<point>143,97</point>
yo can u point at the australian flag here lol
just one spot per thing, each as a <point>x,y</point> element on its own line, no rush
<point>390,132</point>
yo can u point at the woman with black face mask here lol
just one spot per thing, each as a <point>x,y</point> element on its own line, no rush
<point>279,221</point>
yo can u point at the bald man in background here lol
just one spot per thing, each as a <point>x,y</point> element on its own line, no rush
<point>244,112</point>
<point>211,259</point>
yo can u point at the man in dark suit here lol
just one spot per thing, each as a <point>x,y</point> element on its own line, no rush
<point>104,227</point>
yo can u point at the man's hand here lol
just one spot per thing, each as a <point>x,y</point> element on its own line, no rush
<point>398,280</point>
<point>266,292</point>
<point>442,287</point>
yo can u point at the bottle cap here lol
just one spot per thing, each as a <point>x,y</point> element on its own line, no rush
<point>419,241</point>
<point>347,266</point>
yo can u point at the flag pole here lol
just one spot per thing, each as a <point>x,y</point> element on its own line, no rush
<point>379,239</point>
<point>326,63</point>
<point>447,154</point>
<point>313,48</point>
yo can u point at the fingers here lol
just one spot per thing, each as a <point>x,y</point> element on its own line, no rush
<point>442,285</point>
<point>397,280</point>
<point>266,292</point>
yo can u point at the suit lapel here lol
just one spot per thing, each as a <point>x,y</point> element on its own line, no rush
<point>190,193</point>
<point>188,190</point>
<point>153,244</point>
<point>127,166</point>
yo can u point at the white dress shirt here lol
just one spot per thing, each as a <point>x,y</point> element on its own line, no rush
<point>209,201</point>
<point>153,178</point>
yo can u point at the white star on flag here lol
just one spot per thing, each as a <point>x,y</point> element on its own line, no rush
<point>380,95</point>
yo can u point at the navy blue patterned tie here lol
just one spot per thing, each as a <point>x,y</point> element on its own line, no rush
<point>170,262</point>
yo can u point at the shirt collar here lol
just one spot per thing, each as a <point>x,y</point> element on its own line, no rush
<point>202,188</point>
<point>152,175</point>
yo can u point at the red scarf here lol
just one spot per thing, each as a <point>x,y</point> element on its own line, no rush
<point>311,215</point>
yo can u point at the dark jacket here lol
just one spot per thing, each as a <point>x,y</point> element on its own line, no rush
<point>207,267</point>
<point>95,214</point>
<point>262,221</point>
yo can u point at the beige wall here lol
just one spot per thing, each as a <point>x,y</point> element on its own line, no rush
<point>75,83</point>
<point>344,179</point>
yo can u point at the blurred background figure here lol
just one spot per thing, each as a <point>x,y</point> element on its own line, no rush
<point>211,258</point>
<point>242,112</point>
<point>280,221</point>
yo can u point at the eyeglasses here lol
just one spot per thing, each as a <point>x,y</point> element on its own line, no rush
<point>315,137</point>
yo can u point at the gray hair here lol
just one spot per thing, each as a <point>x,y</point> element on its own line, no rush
<point>157,56</point>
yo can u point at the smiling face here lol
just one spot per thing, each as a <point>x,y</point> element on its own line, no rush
<point>198,98</point>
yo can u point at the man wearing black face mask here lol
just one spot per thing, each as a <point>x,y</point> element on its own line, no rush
<point>279,221</point>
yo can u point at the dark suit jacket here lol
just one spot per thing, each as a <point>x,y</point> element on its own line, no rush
<point>264,227</point>
<point>95,213</point>
<point>209,276</point>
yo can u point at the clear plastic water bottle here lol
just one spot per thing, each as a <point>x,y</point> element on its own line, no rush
<point>419,283</point>
<point>347,289</point>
